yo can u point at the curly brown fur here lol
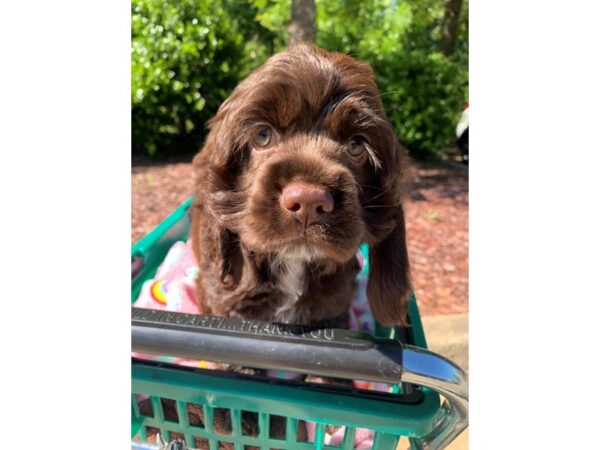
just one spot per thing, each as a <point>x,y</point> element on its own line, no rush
<point>255,260</point>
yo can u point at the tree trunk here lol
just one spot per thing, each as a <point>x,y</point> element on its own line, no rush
<point>450,26</point>
<point>302,26</point>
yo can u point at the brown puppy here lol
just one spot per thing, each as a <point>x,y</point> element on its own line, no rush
<point>300,167</point>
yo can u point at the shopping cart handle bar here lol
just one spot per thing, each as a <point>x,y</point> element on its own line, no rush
<point>265,345</point>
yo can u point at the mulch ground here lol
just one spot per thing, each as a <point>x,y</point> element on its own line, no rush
<point>436,216</point>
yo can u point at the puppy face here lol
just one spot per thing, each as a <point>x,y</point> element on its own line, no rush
<point>301,162</point>
<point>303,196</point>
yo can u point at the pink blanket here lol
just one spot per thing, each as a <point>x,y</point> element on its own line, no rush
<point>173,288</point>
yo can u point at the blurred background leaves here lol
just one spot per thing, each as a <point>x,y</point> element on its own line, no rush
<point>187,56</point>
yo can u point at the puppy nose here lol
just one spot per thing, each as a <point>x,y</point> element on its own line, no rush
<point>308,203</point>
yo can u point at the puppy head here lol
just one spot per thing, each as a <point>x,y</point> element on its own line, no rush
<point>301,160</point>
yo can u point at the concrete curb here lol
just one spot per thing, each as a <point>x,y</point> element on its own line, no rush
<point>448,335</point>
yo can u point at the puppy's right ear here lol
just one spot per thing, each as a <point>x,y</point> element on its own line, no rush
<point>215,244</point>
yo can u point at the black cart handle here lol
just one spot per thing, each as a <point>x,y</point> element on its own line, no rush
<point>265,345</point>
<point>309,350</point>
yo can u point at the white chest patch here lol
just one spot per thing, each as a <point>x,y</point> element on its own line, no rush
<point>292,280</point>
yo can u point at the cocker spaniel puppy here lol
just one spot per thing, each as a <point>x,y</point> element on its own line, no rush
<point>300,166</point>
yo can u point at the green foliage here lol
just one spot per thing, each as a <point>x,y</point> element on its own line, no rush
<point>187,56</point>
<point>422,90</point>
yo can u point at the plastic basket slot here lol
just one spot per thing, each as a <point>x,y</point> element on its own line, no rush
<point>303,435</point>
<point>169,410</point>
<point>332,430</point>
<point>142,405</point>
<point>150,433</point>
<point>200,443</point>
<point>249,423</point>
<point>277,427</point>
<point>222,421</point>
<point>195,415</point>
<point>176,435</point>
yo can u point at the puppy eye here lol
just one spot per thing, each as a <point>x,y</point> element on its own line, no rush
<point>356,146</point>
<point>263,137</point>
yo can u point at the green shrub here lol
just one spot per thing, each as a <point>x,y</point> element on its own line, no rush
<point>422,90</point>
<point>423,98</point>
<point>188,55</point>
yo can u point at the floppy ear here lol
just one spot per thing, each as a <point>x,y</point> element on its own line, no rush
<point>389,285</point>
<point>215,243</point>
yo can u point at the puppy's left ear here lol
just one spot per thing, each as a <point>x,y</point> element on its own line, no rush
<point>389,285</point>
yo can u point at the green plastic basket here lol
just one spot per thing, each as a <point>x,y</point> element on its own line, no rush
<point>415,412</point>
